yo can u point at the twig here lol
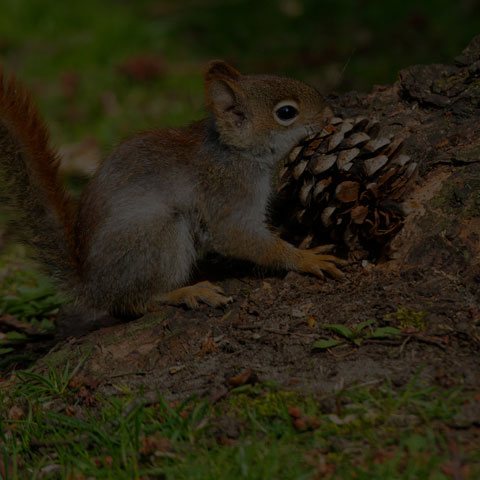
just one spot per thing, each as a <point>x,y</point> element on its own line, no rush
<point>290,333</point>
<point>247,327</point>
<point>126,374</point>
<point>342,355</point>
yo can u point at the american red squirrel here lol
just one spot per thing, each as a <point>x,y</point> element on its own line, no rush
<point>162,197</point>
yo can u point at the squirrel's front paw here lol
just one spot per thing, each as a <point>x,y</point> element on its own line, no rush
<point>190,296</point>
<point>311,262</point>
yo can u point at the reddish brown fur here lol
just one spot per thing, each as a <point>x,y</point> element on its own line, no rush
<point>161,198</point>
<point>28,136</point>
<point>19,113</point>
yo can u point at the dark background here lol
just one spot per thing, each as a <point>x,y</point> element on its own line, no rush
<point>102,69</point>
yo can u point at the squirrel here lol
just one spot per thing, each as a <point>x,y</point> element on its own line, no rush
<point>163,197</point>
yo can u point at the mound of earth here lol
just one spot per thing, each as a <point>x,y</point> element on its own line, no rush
<point>429,289</point>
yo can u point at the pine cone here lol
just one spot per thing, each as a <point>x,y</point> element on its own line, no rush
<point>344,185</point>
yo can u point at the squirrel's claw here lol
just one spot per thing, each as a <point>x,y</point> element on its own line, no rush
<point>312,262</point>
<point>190,296</point>
<point>330,258</point>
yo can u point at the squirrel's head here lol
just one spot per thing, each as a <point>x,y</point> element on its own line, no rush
<point>263,113</point>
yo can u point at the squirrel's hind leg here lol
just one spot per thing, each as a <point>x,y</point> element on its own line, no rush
<point>130,268</point>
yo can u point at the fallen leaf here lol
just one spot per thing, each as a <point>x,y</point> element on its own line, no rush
<point>15,413</point>
<point>227,442</point>
<point>151,445</point>
<point>442,143</point>
<point>80,380</point>
<point>208,346</point>
<point>342,421</point>
<point>382,456</point>
<point>294,411</point>
<point>300,424</point>
<point>76,476</point>
<point>71,411</point>
<point>248,377</point>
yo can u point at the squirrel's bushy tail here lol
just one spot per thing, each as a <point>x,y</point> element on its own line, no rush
<point>43,214</point>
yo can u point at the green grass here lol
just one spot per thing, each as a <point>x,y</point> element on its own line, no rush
<point>58,426</point>
<point>28,305</point>
<point>51,44</point>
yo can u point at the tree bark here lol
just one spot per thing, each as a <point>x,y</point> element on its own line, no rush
<point>437,109</point>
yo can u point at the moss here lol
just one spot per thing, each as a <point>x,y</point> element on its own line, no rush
<point>451,198</point>
<point>58,358</point>
<point>409,318</point>
<point>434,223</point>
<point>447,81</point>
<point>268,403</point>
<point>133,328</point>
<point>459,196</point>
<point>469,155</point>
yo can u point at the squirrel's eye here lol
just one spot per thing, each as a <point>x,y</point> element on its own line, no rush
<point>285,113</point>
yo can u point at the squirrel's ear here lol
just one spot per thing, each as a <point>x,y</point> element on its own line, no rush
<point>225,98</point>
<point>222,96</point>
<point>219,67</point>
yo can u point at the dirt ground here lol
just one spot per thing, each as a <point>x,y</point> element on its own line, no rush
<point>429,289</point>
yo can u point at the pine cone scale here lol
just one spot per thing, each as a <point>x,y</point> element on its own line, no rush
<point>344,184</point>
